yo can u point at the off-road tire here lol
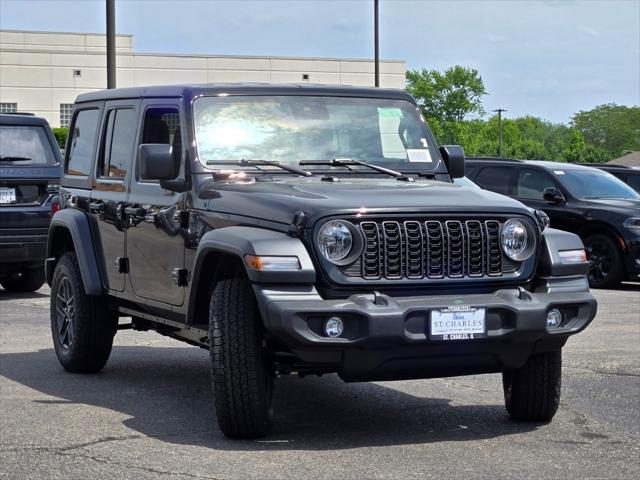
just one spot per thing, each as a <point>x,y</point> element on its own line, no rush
<point>240,373</point>
<point>29,280</point>
<point>615,274</point>
<point>93,324</point>
<point>532,392</point>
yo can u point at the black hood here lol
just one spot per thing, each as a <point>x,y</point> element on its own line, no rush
<point>628,206</point>
<point>279,200</point>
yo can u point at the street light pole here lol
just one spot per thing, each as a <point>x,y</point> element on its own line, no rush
<point>111,44</point>
<point>500,110</point>
<point>376,38</point>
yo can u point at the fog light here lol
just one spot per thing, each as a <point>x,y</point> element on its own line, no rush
<point>554,318</point>
<point>333,327</point>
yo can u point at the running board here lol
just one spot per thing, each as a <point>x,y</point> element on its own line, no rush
<point>171,328</point>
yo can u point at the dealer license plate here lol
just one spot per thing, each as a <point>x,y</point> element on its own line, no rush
<point>459,322</point>
<point>7,195</point>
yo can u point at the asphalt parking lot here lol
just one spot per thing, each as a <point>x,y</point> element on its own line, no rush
<point>148,414</point>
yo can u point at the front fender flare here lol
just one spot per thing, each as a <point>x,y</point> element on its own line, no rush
<point>78,225</point>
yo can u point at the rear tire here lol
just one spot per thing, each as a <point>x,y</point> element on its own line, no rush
<point>28,280</point>
<point>82,326</point>
<point>606,264</point>
<point>240,374</point>
<point>532,392</point>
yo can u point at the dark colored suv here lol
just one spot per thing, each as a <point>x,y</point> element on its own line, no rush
<point>302,229</point>
<point>629,175</point>
<point>595,205</point>
<point>29,177</point>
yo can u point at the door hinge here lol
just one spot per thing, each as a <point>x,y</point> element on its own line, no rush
<point>184,219</point>
<point>180,276</point>
<point>122,264</point>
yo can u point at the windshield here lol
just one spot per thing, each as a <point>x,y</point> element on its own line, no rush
<point>25,145</point>
<point>594,183</point>
<point>288,129</point>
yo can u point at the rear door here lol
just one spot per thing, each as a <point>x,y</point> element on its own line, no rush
<point>109,194</point>
<point>497,178</point>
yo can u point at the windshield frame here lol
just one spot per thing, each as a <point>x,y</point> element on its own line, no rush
<point>437,165</point>
<point>570,188</point>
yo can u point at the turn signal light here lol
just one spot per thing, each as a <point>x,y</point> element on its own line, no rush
<point>573,256</point>
<point>272,264</point>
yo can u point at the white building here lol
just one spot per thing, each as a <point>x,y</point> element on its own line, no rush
<point>43,72</point>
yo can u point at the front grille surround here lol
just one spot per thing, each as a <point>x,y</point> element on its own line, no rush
<point>435,248</point>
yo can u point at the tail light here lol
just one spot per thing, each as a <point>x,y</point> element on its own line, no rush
<point>55,204</point>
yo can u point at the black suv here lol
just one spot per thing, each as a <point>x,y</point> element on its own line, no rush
<point>629,175</point>
<point>302,229</point>
<point>29,177</point>
<point>601,209</point>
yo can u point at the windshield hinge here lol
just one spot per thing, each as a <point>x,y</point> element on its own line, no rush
<point>296,229</point>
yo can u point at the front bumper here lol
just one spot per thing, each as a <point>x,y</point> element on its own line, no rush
<point>388,338</point>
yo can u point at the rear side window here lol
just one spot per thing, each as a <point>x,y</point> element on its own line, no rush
<point>118,142</point>
<point>25,145</point>
<point>81,146</point>
<point>531,184</point>
<point>496,179</point>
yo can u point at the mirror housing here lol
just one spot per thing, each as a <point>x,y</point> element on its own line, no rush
<point>453,156</point>
<point>553,195</point>
<point>156,162</point>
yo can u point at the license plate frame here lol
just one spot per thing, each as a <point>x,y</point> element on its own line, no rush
<point>7,196</point>
<point>457,322</point>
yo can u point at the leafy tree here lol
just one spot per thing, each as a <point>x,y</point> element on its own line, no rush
<point>613,128</point>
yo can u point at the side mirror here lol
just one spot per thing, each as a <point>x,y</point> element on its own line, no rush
<point>553,195</point>
<point>156,162</point>
<point>453,156</point>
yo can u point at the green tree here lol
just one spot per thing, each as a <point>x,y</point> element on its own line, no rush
<point>610,127</point>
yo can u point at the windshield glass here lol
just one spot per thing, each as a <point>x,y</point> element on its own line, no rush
<point>288,129</point>
<point>595,184</point>
<point>24,145</point>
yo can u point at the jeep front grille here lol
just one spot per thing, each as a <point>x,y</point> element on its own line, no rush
<point>430,249</point>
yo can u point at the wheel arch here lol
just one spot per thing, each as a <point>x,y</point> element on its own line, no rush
<point>599,227</point>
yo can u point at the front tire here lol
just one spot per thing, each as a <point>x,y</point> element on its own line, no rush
<point>81,325</point>
<point>606,264</point>
<point>29,280</point>
<point>240,374</point>
<point>532,392</point>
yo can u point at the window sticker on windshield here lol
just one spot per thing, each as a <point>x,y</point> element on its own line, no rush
<point>419,155</point>
<point>558,172</point>
<point>389,112</point>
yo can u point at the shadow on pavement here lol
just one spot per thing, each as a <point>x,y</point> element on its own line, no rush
<point>5,295</point>
<point>166,392</point>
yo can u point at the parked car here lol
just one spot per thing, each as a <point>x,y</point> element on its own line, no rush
<point>629,175</point>
<point>29,177</point>
<point>302,229</point>
<point>602,210</point>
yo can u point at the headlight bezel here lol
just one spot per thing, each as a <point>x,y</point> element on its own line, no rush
<point>530,240</point>
<point>357,243</point>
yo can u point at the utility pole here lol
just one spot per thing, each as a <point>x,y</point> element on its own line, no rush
<point>111,43</point>
<point>500,110</point>
<point>376,38</point>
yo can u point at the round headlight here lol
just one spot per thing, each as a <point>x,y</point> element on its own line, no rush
<point>515,240</point>
<point>335,240</point>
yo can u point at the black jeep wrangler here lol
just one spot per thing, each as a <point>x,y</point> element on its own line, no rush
<point>308,230</point>
<point>29,177</point>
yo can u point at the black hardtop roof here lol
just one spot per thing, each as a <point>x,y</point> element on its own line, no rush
<point>546,164</point>
<point>21,119</point>
<point>191,91</point>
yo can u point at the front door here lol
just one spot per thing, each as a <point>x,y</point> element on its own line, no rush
<point>155,246</point>
<point>108,197</point>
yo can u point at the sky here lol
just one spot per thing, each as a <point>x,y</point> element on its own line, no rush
<point>544,58</point>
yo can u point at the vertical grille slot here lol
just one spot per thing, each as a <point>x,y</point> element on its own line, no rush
<point>455,248</point>
<point>435,248</point>
<point>414,249</point>
<point>475,252</point>
<point>494,255</point>
<point>372,253</point>
<point>392,235</point>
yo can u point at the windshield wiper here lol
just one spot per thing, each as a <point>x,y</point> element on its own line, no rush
<point>11,158</point>
<point>257,163</point>
<point>345,162</point>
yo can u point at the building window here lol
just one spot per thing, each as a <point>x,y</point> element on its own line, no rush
<point>65,114</point>
<point>8,107</point>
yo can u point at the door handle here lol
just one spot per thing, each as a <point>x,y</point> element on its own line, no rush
<point>97,207</point>
<point>135,211</point>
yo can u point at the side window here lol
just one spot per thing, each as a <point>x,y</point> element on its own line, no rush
<point>531,184</point>
<point>634,181</point>
<point>117,148</point>
<point>162,125</point>
<point>496,179</point>
<point>82,144</point>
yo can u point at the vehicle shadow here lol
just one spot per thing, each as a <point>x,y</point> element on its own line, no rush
<point>166,394</point>
<point>5,295</point>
